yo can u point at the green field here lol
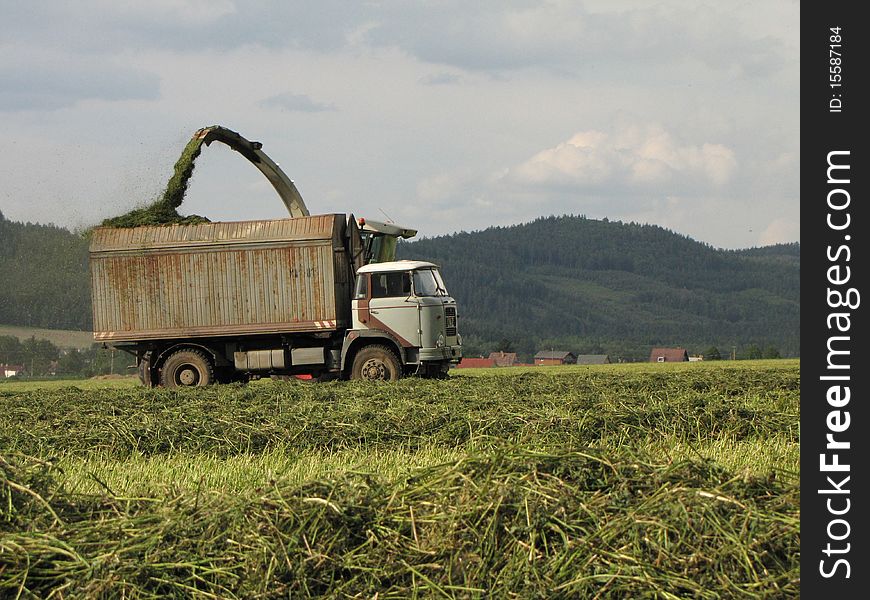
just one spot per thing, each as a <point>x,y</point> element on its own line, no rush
<point>616,480</point>
<point>59,337</point>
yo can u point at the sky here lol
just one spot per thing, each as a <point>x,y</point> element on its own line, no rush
<point>441,116</point>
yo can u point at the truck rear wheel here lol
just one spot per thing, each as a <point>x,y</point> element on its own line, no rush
<point>376,363</point>
<point>186,368</point>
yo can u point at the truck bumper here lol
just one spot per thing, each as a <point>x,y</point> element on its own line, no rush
<point>444,353</point>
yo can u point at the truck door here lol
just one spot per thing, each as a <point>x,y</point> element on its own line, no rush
<point>393,308</point>
<point>355,245</point>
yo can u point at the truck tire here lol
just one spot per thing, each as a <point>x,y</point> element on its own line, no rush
<point>438,371</point>
<point>376,363</point>
<point>186,368</point>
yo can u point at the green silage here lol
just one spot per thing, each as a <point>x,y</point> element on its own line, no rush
<point>164,211</point>
<point>545,484</point>
<point>504,524</point>
<point>612,407</point>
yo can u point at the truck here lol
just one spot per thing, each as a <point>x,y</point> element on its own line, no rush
<point>319,297</point>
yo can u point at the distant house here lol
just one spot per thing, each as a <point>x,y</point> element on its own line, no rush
<point>11,370</point>
<point>593,359</point>
<point>476,363</point>
<point>669,355</point>
<point>503,359</point>
<point>555,357</point>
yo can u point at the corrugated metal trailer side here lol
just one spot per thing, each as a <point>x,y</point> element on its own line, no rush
<point>220,279</point>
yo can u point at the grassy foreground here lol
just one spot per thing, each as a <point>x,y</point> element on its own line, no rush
<point>618,481</point>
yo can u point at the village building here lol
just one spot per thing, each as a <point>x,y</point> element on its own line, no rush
<point>475,363</point>
<point>11,370</point>
<point>555,357</point>
<point>669,355</point>
<point>593,359</point>
<point>504,359</point>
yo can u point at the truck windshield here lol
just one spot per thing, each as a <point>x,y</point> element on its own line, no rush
<point>427,282</point>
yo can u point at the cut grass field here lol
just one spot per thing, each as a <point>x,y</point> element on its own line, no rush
<point>621,480</point>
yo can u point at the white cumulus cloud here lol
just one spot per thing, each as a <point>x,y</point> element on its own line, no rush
<point>779,231</point>
<point>629,156</point>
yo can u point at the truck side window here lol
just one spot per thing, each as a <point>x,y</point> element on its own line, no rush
<point>391,285</point>
<point>362,287</point>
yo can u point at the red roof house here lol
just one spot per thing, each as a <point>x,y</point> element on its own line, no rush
<point>669,355</point>
<point>476,363</point>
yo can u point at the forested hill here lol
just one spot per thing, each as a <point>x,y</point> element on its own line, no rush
<point>43,277</point>
<point>566,283</point>
<point>589,286</point>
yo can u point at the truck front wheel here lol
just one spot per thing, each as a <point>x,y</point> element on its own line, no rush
<point>186,368</point>
<point>376,363</point>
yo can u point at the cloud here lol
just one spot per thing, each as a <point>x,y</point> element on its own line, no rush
<point>574,38</point>
<point>459,115</point>
<point>90,26</point>
<point>296,103</point>
<point>63,83</point>
<point>195,13</point>
<point>642,158</point>
<point>780,231</point>
<point>447,190</point>
<point>440,79</point>
<point>491,36</point>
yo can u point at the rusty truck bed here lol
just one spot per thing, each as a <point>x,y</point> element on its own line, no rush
<point>220,279</point>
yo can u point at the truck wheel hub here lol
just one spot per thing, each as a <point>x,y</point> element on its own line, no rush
<point>187,376</point>
<point>374,369</point>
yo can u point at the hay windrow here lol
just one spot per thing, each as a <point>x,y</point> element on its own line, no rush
<point>536,410</point>
<point>542,485</point>
<point>164,211</point>
<point>508,523</point>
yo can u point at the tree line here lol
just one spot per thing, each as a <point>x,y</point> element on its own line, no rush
<point>44,275</point>
<point>41,358</point>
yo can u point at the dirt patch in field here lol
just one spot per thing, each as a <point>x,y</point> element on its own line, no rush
<point>164,210</point>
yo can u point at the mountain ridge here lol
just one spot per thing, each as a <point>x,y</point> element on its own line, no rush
<point>593,286</point>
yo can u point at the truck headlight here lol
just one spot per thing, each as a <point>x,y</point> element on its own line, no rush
<point>458,339</point>
<point>439,343</point>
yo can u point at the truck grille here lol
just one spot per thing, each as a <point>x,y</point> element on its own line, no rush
<point>450,314</point>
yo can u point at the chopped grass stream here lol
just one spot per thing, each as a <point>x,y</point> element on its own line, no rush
<point>164,210</point>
